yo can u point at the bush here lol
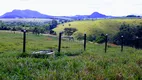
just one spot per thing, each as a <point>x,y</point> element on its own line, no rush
<point>100,39</point>
<point>79,36</point>
<point>52,32</point>
<point>91,37</point>
<point>69,31</point>
<point>96,35</point>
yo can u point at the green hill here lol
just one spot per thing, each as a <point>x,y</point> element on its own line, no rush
<point>109,26</point>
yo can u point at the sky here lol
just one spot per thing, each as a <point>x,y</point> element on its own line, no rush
<point>75,7</point>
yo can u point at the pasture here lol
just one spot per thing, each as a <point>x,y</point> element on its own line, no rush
<point>72,64</point>
<point>109,26</point>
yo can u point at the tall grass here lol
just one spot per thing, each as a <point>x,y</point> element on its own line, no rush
<point>72,64</point>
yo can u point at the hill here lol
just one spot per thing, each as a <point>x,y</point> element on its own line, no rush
<point>77,17</point>
<point>25,14</point>
<point>35,14</point>
<point>109,26</point>
<point>97,15</point>
<point>93,15</point>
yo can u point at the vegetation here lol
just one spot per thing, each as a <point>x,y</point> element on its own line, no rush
<point>134,16</point>
<point>98,28</point>
<point>69,31</point>
<point>130,35</point>
<point>71,64</point>
<point>31,26</point>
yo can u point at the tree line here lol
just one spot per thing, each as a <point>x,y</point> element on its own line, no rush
<point>131,35</point>
<point>34,27</point>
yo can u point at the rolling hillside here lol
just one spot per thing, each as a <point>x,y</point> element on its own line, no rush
<point>109,26</point>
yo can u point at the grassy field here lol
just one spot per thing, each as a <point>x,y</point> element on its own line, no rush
<point>72,64</point>
<point>14,42</point>
<point>109,26</point>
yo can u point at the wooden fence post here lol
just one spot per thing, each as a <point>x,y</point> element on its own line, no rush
<point>122,42</point>
<point>24,41</point>
<point>137,43</point>
<point>84,41</point>
<point>106,40</point>
<point>59,46</point>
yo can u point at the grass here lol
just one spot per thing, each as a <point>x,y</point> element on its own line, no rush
<point>72,64</point>
<point>10,42</point>
<point>109,26</point>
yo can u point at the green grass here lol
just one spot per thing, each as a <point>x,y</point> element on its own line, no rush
<point>10,42</point>
<point>109,26</point>
<point>72,64</point>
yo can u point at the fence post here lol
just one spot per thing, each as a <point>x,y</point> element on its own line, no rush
<point>106,40</point>
<point>137,42</point>
<point>59,46</point>
<point>122,43</point>
<point>84,41</point>
<point>24,41</point>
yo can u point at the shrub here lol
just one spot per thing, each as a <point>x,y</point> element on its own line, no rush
<point>79,36</point>
<point>69,31</point>
<point>100,39</point>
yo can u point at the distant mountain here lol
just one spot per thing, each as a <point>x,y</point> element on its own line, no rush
<point>35,14</point>
<point>93,15</point>
<point>97,15</point>
<point>25,14</point>
<point>80,16</point>
<point>136,16</point>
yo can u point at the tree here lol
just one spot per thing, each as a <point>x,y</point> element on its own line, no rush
<point>96,35</point>
<point>35,30</point>
<point>53,24</point>
<point>46,27</point>
<point>129,33</point>
<point>14,29</point>
<point>52,32</point>
<point>79,35</point>
<point>138,31</point>
<point>132,16</point>
<point>69,24</point>
<point>69,31</point>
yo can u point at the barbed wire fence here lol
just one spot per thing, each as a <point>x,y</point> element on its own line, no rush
<point>71,46</point>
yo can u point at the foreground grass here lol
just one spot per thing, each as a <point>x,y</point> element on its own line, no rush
<point>72,64</point>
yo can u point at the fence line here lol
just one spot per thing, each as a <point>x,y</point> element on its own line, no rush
<point>137,41</point>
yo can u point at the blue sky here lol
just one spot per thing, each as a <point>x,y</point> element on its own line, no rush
<point>75,7</point>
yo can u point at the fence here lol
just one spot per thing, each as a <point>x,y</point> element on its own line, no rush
<point>66,44</point>
<point>70,44</point>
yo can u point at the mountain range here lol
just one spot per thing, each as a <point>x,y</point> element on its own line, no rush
<point>35,14</point>
<point>25,14</point>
